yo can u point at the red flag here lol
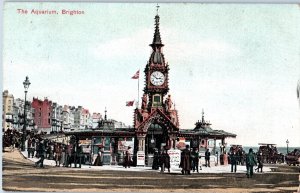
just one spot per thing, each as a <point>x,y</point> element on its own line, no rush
<point>136,75</point>
<point>129,103</point>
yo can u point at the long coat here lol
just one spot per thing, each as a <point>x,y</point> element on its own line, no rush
<point>165,159</point>
<point>127,159</point>
<point>185,162</point>
<point>250,159</point>
<point>233,158</point>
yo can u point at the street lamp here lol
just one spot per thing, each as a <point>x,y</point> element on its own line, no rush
<point>287,146</point>
<point>26,84</point>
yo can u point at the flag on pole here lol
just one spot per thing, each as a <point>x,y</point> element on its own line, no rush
<point>136,75</point>
<point>129,103</point>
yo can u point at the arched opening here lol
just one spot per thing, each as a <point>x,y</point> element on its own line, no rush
<point>156,138</point>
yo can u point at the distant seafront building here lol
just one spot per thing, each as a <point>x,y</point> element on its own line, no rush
<point>86,119</point>
<point>7,111</point>
<point>46,116</point>
<point>96,117</point>
<point>42,114</point>
<point>18,112</point>
<point>57,116</point>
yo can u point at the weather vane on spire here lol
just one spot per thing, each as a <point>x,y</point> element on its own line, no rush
<point>157,7</point>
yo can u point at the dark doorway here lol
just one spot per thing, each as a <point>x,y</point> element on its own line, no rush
<point>156,138</point>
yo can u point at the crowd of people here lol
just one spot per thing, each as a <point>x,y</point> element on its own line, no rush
<point>41,148</point>
<point>65,155</point>
<point>189,161</point>
<point>11,139</point>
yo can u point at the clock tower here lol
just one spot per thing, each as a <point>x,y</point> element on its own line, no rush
<point>156,72</point>
<point>156,120</point>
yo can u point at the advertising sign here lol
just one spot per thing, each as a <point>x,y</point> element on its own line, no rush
<point>174,157</point>
<point>140,158</point>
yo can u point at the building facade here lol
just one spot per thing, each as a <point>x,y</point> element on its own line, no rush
<point>42,114</point>
<point>96,117</point>
<point>87,121</point>
<point>8,110</point>
<point>57,116</point>
<point>78,119</point>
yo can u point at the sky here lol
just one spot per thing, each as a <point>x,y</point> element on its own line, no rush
<point>238,62</point>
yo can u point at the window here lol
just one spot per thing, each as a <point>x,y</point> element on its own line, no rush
<point>156,100</point>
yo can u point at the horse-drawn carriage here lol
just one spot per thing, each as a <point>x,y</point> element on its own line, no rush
<point>293,158</point>
<point>268,153</point>
<point>240,154</point>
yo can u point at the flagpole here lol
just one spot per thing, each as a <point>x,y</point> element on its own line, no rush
<point>137,106</point>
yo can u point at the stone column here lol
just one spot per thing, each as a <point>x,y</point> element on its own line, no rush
<point>222,145</point>
<point>173,141</point>
<point>215,144</point>
<point>141,143</point>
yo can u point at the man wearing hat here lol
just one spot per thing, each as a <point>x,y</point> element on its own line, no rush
<point>185,161</point>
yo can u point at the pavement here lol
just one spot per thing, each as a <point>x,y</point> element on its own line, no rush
<point>212,169</point>
<point>19,174</point>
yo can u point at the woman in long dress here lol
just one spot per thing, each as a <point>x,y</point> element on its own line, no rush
<point>127,158</point>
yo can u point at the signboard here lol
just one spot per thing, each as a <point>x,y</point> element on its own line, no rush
<point>174,157</point>
<point>86,149</point>
<point>140,158</point>
<point>123,145</point>
<point>106,158</point>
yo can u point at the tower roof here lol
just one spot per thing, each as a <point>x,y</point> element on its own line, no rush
<point>156,37</point>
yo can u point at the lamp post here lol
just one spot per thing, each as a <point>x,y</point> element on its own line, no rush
<point>26,84</point>
<point>287,146</point>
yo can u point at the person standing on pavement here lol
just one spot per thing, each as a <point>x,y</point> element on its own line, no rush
<point>127,158</point>
<point>250,162</point>
<point>29,147</point>
<point>58,152</point>
<point>41,152</point>
<point>207,158</point>
<point>260,163</point>
<point>233,161</point>
<point>195,160</point>
<point>185,161</point>
<point>155,163</point>
<point>165,160</point>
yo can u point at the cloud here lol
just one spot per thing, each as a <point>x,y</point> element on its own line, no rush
<point>136,45</point>
<point>126,47</point>
<point>208,49</point>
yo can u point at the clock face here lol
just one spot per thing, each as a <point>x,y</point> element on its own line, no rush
<point>157,78</point>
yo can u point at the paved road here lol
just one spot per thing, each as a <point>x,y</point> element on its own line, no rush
<point>19,174</point>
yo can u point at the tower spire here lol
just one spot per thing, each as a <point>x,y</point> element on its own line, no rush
<point>203,116</point>
<point>156,38</point>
